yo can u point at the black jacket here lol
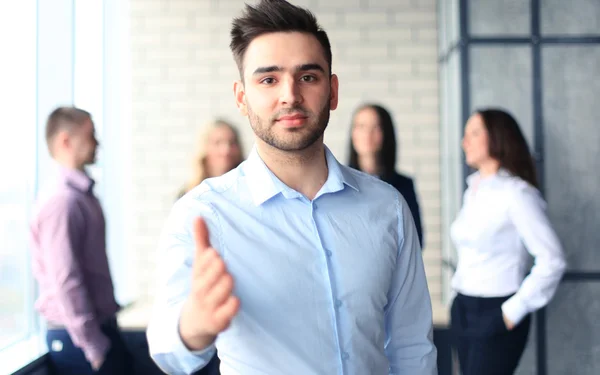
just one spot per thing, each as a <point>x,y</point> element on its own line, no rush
<point>406,187</point>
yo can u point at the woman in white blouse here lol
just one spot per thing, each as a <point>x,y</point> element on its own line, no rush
<point>501,222</point>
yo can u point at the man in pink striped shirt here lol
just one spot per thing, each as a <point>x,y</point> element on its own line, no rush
<point>76,294</point>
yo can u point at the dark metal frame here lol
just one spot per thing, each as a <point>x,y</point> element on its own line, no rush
<point>535,40</point>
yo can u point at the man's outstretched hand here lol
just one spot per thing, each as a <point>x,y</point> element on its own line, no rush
<point>211,306</point>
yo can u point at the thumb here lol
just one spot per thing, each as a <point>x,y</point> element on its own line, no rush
<point>201,234</point>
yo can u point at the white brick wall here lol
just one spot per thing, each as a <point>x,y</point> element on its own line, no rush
<point>383,50</point>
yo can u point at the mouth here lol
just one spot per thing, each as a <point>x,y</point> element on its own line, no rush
<point>292,121</point>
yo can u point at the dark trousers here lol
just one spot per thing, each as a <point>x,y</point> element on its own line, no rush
<point>67,359</point>
<point>484,345</point>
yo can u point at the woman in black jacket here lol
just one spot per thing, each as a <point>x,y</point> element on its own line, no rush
<point>373,151</point>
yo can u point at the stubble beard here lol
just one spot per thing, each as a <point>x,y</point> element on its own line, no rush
<point>294,139</point>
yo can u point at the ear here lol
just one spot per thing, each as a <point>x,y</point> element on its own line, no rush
<point>62,139</point>
<point>333,99</point>
<point>240,97</point>
<point>59,142</point>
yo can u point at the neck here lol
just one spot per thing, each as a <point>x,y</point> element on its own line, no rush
<point>369,164</point>
<point>489,169</point>
<point>68,163</point>
<point>304,171</point>
<point>215,172</point>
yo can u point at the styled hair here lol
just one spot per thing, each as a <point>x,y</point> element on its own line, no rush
<point>507,144</point>
<point>198,165</point>
<point>386,156</point>
<point>270,16</point>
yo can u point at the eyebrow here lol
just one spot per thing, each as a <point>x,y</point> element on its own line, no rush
<point>299,68</point>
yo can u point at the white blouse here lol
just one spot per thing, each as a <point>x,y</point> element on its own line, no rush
<point>502,221</point>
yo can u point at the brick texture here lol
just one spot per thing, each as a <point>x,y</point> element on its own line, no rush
<point>384,51</point>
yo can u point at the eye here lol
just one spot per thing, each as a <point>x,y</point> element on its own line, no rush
<point>308,78</point>
<point>268,81</point>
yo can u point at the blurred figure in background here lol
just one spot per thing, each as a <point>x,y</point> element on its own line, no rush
<point>76,294</point>
<point>219,151</point>
<point>373,151</point>
<point>502,219</point>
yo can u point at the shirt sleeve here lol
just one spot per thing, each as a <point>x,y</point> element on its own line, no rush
<point>61,235</point>
<point>176,256</point>
<point>408,316</point>
<point>527,212</point>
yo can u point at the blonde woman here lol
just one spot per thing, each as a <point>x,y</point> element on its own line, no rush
<point>219,152</point>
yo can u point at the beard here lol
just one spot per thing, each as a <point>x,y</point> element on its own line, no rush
<point>294,139</point>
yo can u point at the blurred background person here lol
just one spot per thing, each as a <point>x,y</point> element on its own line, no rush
<point>219,151</point>
<point>76,294</point>
<point>502,219</point>
<point>373,150</point>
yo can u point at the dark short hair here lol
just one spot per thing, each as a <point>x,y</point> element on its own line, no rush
<point>65,118</point>
<point>386,157</point>
<point>270,16</point>
<point>507,144</point>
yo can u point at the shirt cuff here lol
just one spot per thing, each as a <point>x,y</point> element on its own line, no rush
<point>514,310</point>
<point>205,354</point>
<point>191,360</point>
<point>167,348</point>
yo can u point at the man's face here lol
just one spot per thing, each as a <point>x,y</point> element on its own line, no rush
<point>287,91</point>
<point>83,144</point>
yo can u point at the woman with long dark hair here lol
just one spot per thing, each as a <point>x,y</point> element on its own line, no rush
<point>501,223</point>
<point>373,151</point>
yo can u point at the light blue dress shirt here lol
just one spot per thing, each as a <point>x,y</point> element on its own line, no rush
<point>335,285</point>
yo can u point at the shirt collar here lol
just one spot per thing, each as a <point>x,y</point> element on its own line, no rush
<point>77,179</point>
<point>264,185</point>
<point>476,177</point>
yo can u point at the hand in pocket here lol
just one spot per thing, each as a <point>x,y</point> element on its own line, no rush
<point>105,366</point>
<point>507,323</point>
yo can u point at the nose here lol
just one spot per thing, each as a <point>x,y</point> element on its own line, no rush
<point>290,92</point>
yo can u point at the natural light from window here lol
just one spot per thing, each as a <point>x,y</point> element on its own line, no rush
<point>17,165</point>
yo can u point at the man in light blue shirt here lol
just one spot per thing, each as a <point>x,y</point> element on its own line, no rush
<point>291,263</point>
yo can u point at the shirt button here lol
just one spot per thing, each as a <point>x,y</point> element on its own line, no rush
<point>338,303</point>
<point>345,356</point>
<point>328,253</point>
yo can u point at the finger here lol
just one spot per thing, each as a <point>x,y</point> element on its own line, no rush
<point>201,235</point>
<point>208,260</point>
<point>203,262</point>
<point>210,268</point>
<point>226,312</point>
<point>219,293</point>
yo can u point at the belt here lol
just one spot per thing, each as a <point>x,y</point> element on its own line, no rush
<point>110,323</point>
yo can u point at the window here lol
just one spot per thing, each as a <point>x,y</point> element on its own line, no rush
<point>17,166</point>
<point>88,85</point>
<point>65,53</point>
